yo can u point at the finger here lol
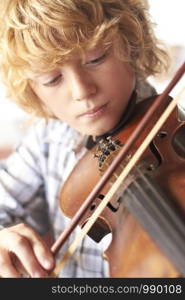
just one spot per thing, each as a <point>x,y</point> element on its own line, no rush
<point>17,264</point>
<point>7,270</point>
<point>25,254</point>
<point>40,248</point>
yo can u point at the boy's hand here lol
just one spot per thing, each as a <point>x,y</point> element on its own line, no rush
<point>22,251</point>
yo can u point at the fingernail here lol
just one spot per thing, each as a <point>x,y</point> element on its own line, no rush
<point>48,264</point>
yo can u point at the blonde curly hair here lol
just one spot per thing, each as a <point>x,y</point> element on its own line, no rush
<point>38,35</point>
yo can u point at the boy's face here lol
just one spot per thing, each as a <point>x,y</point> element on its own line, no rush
<point>90,96</point>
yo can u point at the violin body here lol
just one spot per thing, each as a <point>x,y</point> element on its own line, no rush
<point>138,248</point>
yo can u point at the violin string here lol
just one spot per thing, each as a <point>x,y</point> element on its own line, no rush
<point>117,184</point>
<point>147,182</point>
<point>167,228</point>
<point>153,222</point>
<point>155,192</point>
<point>114,174</point>
<point>157,195</point>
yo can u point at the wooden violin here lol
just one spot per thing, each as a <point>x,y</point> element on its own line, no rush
<point>146,213</point>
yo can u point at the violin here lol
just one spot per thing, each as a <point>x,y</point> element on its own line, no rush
<point>146,212</point>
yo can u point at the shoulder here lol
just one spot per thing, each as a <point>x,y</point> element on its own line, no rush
<point>50,131</point>
<point>144,90</point>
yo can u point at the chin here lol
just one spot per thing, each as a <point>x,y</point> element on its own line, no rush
<point>100,131</point>
<point>98,128</point>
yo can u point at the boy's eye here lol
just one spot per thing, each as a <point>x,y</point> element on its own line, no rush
<point>54,81</point>
<point>97,59</point>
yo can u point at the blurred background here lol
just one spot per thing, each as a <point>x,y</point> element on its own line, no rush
<point>168,15</point>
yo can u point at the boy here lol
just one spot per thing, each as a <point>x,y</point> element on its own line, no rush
<point>75,64</point>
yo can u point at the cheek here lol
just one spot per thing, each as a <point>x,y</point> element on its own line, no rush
<point>51,99</point>
<point>119,78</point>
<point>62,110</point>
<point>59,110</point>
<point>54,101</point>
<point>122,87</point>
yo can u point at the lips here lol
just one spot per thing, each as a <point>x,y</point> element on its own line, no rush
<point>94,112</point>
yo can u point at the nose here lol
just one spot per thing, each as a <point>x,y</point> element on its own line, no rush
<point>83,86</point>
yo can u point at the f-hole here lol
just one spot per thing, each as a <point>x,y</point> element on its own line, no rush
<point>109,205</point>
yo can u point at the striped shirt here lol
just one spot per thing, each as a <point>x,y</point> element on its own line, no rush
<point>30,183</point>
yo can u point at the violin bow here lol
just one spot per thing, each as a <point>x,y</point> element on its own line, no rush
<point>108,173</point>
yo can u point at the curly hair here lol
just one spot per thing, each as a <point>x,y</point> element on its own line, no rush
<point>38,35</point>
